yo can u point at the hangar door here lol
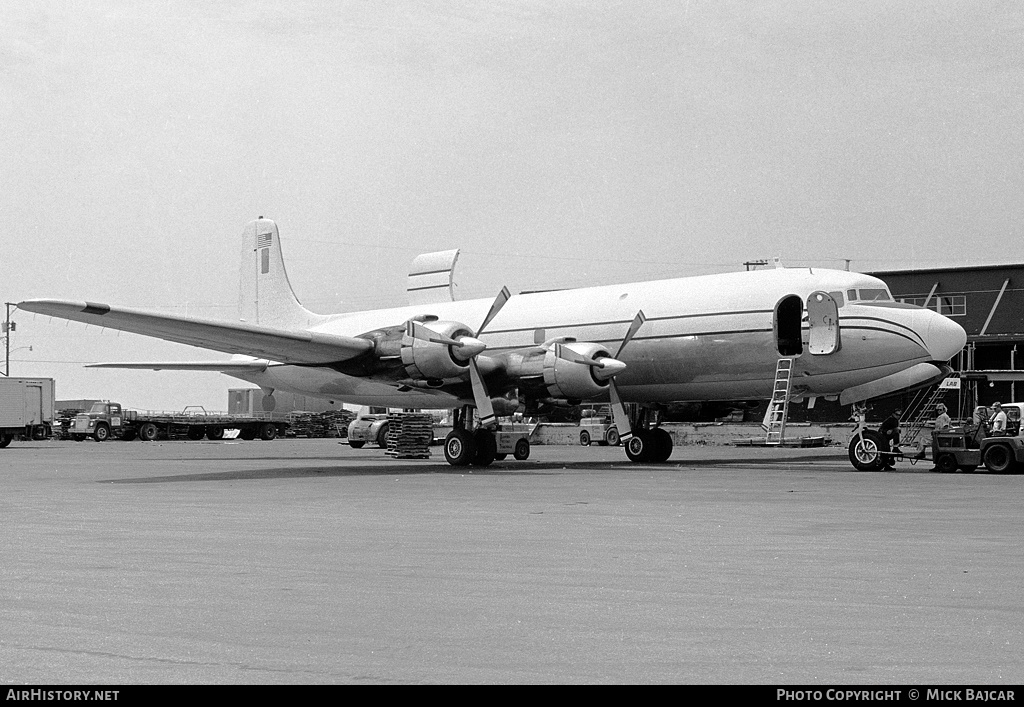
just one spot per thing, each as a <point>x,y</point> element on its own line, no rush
<point>822,324</point>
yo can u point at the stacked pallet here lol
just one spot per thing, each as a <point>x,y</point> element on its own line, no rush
<point>337,422</point>
<point>410,435</point>
<point>333,423</point>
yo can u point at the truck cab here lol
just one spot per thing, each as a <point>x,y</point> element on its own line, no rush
<point>102,421</point>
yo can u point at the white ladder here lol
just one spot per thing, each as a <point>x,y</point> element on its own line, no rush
<point>778,406</point>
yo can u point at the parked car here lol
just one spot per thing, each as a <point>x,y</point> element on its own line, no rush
<point>368,428</point>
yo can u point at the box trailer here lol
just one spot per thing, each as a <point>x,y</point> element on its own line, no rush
<point>26,408</point>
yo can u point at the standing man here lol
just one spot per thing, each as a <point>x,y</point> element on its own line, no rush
<point>942,424</point>
<point>998,420</point>
<point>890,431</point>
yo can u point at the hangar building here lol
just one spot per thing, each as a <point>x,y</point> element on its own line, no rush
<point>988,302</point>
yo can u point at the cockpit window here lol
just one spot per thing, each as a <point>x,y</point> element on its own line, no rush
<point>838,297</point>
<point>869,294</point>
<point>874,295</point>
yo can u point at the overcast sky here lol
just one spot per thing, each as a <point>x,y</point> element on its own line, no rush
<point>557,143</point>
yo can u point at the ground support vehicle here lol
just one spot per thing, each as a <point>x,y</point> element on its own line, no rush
<point>600,429</point>
<point>26,408</point>
<point>958,450</point>
<point>106,420</point>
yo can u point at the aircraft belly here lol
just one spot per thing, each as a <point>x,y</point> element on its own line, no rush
<point>741,366</point>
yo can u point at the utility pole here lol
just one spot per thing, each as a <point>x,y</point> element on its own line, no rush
<point>8,328</point>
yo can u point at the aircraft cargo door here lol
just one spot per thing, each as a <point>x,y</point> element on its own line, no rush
<point>822,324</point>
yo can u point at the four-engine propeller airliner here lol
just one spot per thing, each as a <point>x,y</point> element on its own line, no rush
<point>707,338</point>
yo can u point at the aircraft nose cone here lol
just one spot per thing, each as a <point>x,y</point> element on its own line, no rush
<point>468,348</point>
<point>611,368</point>
<point>944,337</point>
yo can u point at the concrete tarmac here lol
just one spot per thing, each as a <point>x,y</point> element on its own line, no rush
<point>306,562</point>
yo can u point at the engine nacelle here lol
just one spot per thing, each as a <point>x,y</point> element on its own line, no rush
<point>569,379</point>
<point>431,360</point>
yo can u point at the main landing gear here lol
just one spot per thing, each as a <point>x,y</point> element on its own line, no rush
<point>649,443</point>
<point>480,447</point>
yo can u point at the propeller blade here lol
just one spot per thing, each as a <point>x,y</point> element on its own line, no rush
<point>567,354</point>
<point>418,331</point>
<point>638,321</point>
<point>619,413</point>
<point>480,396</point>
<point>499,302</point>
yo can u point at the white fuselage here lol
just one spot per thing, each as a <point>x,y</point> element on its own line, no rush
<point>712,337</point>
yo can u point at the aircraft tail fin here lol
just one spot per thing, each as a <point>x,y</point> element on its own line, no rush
<point>265,294</point>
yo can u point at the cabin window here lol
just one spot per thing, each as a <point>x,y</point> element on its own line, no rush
<point>789,313</point>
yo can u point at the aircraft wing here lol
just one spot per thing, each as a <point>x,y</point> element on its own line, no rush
<point>216,366</point>
<point>287,346</point>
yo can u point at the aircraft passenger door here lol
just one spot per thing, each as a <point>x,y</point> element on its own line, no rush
<point>822,324</point>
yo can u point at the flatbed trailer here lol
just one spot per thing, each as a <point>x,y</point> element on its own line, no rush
<point>106,420</point>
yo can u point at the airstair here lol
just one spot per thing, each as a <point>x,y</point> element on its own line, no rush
<point>778,406</point>
<point>922,410</point>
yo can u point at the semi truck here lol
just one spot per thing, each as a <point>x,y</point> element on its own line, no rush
<point>26,408</point>
<point>106,420</point>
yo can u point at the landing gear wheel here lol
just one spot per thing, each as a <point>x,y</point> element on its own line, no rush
<point>999,459</point>
<point>268,431</point>
<point>662,445</point>
<point>148,432</point>
<point>640,447</point>
<point>500,456</point>
<point>866,451</point>
<point>102,433</point>
<point>946,463</point>
<point>585,438</point>
<point>486,447</point>
<point>459,448</point>
<point>522,450</point>
<point>611,437</point>
<point>214,433</point>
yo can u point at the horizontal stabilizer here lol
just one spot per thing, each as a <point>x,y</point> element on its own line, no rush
<point>298,347</point>
<point>217,366</point>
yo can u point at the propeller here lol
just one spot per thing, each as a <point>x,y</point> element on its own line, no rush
<point>606,368</point>
<point>468,348</point>
<point>618,409</point>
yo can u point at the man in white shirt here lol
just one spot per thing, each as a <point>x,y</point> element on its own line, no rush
<point>998,421</point>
